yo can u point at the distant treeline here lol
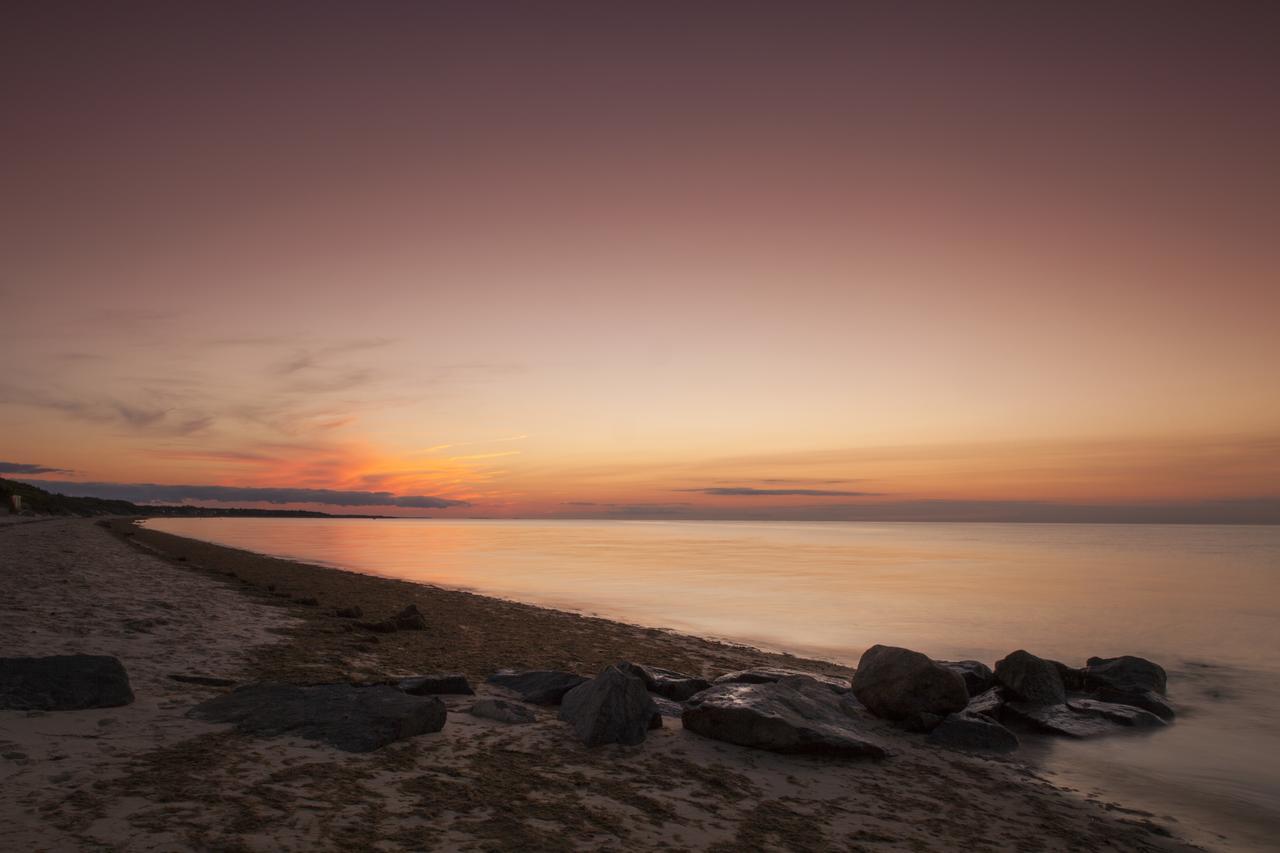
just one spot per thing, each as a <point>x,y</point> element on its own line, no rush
<point>39,502</point>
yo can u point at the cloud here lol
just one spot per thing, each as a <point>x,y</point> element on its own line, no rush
<point>749,491</point>
<point>156,493</point>
<point>27,468</point>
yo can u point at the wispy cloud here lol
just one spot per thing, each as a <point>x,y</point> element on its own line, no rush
<point>146,493</point>
<point>748,491</point>
<point>28,468</point>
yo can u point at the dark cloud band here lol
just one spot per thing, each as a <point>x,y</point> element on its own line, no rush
<point>145,493</point>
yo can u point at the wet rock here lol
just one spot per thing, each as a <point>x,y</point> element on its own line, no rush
<point>1082,718</point>
<point>348,612</point>
<point>1031,679</point>
<point>673,685</point>
<point>769,675</point>
<point>974,732</point>
<point>349,717</point>
<point>410,619</point>
<point>978,677</point>
<point>1127,673</point>
<point>906,686</point>
<point>667,707</point>
<point>437,684</point>
<point>540,686</point>
<point>613,707</point>
<point>795,715</point>
<point>502,711</point>
<point>989,703</point>
<point>1146,700</point>
<point>63,683</point>
<point>1072,677</point>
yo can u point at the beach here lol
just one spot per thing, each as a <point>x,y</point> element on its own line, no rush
<point>147,777</point>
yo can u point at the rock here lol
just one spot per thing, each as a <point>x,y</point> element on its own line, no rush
<point>1082,718</point>
<point>1031,679</point>
<point>769,675</point>
<point>613,707</point>
<point>349,717</point>
<point>540,686</point>
<point>795,715</point>
<point>436,685</point>
<point>666,707</point>
<point>975,732</point>
<point>988,704</point>
<point>410,619</point>
<point>63,683</point>
<point>203,680</point>
<point>1128,673</point>
<point>1072,677</point>
<point>1147,700</point>
<point>348,612</point>
<point>978,677</point>
<point>502,711</point>
<point>899,684</point>
<point>664,682</point>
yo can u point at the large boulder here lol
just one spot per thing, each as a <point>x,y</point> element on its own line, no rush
<point>613,707</point>
<point>1147,700</point>
<point>1031,679</point>
<point>1081,718</point>
<point>539,686</point>
<point>978,677</point>
<point>771,674</point>
<point>437,684</point>
<point>1126,673</point>
<point>906,686</point>
<point>795,715</point>
<point>63,683</point>
<point>973,732</point>
<point>672,685</point>
<point>350,717</point>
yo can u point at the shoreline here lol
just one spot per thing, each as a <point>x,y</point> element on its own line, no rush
<point>477,784</point>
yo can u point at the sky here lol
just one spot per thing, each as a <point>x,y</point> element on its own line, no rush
<point>749,260</point>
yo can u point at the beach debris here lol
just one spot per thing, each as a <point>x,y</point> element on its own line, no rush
<point>973,732</point>
<point>348,612</point>
<point>539,686</point>
<point>202,680</point>
<point>63,683</point>
<point>794,715</point>
<point>1031,679</point>
<point>978,677</point>
<point>769,675</point>
<point>436,684</point>
<point>503,711</point>
<point>613,707</point>
<point>349,717</point>
<point>410,619</point>
<point>665,682</point>
<point>907,687</point>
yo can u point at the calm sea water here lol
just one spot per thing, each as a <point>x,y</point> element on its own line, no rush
<point>1204,601</point>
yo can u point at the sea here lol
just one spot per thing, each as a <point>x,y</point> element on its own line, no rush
<point>1201,600</point>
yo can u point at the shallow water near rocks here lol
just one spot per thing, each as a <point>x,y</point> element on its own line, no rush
<point>1204,601</point>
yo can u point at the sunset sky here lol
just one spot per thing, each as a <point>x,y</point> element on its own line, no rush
<point>748,260</point>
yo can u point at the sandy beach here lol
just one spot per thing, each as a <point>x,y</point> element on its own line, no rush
<point>147,777</point>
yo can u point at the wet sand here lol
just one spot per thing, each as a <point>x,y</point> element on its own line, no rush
<point>145,777</point>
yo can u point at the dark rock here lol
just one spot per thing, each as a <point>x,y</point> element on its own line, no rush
<point>1072,677</point>
<point>664,682</point>
<point>667,707</point>
<point>436,685</point>
<point>978,677</point>
<point>899,684</point>
<point>1147,700</point>
<point>348,612</point>
<point>613,707</point>
<point>540,686</point>
<point>1128,673</point>
<point>1031,679</point>
<point>63,683</point>
<point>1082,718</point>
<point>988,704</point>
<point>203,680</point>
<point>975,732</point>
<point>795,715</point>
<point>502,711</point>
<point>410,619</point>
<point>770,674</point>
<point>346,716</point>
